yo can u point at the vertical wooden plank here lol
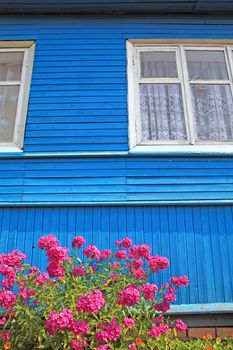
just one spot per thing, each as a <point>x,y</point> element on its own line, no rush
<point>227,282</point>
<point>191,254</point>
<point>199,252</point>
<point>208,256</point>
<point>183,293</point>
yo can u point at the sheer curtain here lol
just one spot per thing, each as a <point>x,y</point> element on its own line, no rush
<point>162,112</point>
<point>161,104</point>
<point>212,103</point>
<point>10,70</point>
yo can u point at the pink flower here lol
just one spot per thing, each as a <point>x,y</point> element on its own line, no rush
<point>91,302</point>
<point>26,293</point>
<point>156,331</point>
<point>115,265</point>
<point>157,263</point>
<point>78,271</point>
<point>80,328</point>
<point>41,279</point>
<point>57,254</point>
<point>33,270</point>
<point>78,242</point>
<point>104,347</point>
<point>2,320</point>
<point>92,252</point>
<point>105,254</point>
<point>180,325</point>
<point>128,322</point>
<point>13,259</point>
<point>180,281</point>
<point>139,273</point>
<point>78,344</point>
<point>170,297</point>
<point>60,321</point>
<point>125,243</point>
<point>109,333</point>
<point>7,299</point>
<point>132,346</point>
<point>128,296</point>
<point>142,251</point>
<point>163,307</point>
<point>47,242</point>
<point>159,319</point>
<point>55,270</point>
<point>149,290</point>
<point>6,335</point>
<point>120,254</point>
<point>137,263</point>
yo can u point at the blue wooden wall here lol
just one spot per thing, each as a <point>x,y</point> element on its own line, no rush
<point>76,154</point>
<point>78,99</point>
<point>125,180</point>
<point>198,240</point>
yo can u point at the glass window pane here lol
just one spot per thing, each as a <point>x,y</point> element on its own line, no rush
<point>206,65</point>
<point>213,112</point>
<point>8,104</point>
<point>11,65</point>
<point>158,64</point>
<point>162,112</point>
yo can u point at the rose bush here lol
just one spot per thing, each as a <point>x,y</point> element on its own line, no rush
<point>88,299</point>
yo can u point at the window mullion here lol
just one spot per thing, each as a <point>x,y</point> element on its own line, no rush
<point>229,63</point>
<point>188,96</point>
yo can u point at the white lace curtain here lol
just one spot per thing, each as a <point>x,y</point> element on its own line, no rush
<point>162,112</point>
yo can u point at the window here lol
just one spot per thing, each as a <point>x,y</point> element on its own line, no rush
<point>180,94</point>
<point>16,60</point>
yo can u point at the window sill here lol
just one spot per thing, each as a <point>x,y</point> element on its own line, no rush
<point>185,150</point>
<point>10,148</point>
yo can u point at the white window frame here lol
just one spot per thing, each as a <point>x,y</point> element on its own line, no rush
<point>134,48</point>
<point>28,47</point>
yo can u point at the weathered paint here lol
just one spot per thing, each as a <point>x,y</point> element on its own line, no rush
<point>197,240</point>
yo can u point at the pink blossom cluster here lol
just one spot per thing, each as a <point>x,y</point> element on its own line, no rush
<point>92,252</point>
<point>91,302</point>
<point>9,266</point>
<point>121,254</point>
<point>128,296</point>
<point>140,251</point>
<point>105,254</point>
<point>149,290</point>
<point>163,306</point>
<point>56,255</point>
<point>157,263</point>
<point>79,271</point>
<point>41,279</point>
<point>181,281</point>
<point>47,242</point>
<point>125,243</point>
<point>65,320</point>
<point>139,273</point>
<point>128,322</point>
<point>78,344</point>
<point>180,325</point>
<point>7,299</point>
<point>156,331</point>
<point>78,242</point>
<point>25,293</point>
<point>109,333</point>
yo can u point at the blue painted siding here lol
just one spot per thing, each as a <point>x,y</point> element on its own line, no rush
<point>78,99</point>
<point>198,240</point>
<point>120,179</point>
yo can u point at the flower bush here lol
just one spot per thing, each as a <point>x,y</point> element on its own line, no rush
<point>89,299</point>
